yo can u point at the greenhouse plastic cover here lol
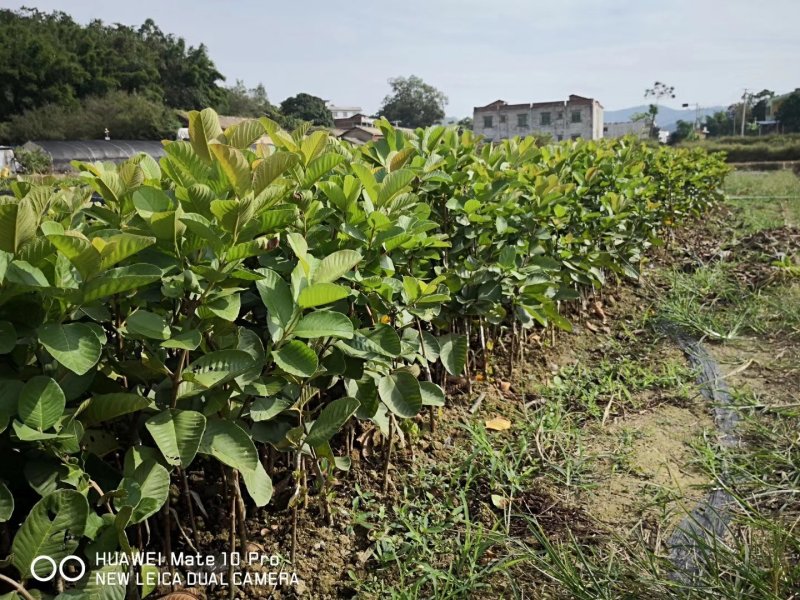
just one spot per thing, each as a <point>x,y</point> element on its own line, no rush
<point>62,152</point>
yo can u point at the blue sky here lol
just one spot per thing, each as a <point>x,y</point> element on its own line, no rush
<point>477,52</point>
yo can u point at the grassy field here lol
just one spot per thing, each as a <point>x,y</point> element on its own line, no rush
<point>609,445</point>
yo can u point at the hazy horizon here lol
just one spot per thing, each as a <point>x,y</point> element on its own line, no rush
<point>474,53</point>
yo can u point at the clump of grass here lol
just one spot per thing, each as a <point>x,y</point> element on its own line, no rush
<point>764,200</point>
<point>708,302</point>
<point>713,305</point>
<point>588,390</point>
<point>762,184</point>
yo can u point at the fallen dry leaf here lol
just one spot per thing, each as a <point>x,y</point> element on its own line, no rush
<point>498,424</point>
<point>598,309</point>
<point>505,386</point>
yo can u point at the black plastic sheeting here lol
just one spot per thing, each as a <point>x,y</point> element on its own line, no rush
<point>709,520</point>
<point>62,152</point>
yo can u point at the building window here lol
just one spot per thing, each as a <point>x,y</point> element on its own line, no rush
<point>502,118</point>
<point>576,116</point>
<point>574,136</point>
<point>522,120</point>
<point>545,118</point>
<point>487,122</point>
<point>559,115</point>
<point>560,138</point>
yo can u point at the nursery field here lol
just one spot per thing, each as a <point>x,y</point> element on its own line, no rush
<point>424,367</point>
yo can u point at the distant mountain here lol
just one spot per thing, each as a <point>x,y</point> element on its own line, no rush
<point>667,117</point>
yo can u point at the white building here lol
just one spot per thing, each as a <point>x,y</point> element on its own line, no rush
<point>578,117</point>
<point>343,112</point>
<point>619,129</point>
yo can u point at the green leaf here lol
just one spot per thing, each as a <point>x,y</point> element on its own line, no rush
<point>229,444</point>
<point>400,392</point>
<point>29,434</point>
<point>122,246</point>
<point>333,266</point>
<point>78,250</point>
<point>392,184</point>
<point>234,165</point>
<point>53,528</point>
<point>148,325</point>
<point>226,308</point>
<point>321,293</point>
<point>177,433</point>
<point>272,167</point>
<point>277,297</point>
<point>41,402</point>
<point>264,409</point>
<point>150,201</point>
<point>106,407</point>
<point>185,340</point>
<point>453,352</point>
<point>296,358</point>
<point>6,503</point>
<point>242,135</point>
<point>152,483</point>
<point>8,337</point>
<point>330,420</point>
<point>432,394</point>
<point>73,345</point>
<point>258,485</point>
<point>216,368</point>
<point>203,128</point>
<point>383,340</point>
<point>324,323</point>
<point>25,274</point>
<point>321,165</point>
<point>121,279</point>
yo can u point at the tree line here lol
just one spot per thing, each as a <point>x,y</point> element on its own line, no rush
<point>63,80</point>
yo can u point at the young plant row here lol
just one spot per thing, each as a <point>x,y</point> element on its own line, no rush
<point>238,301</point>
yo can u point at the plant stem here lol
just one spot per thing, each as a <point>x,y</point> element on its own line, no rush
<point>17,586</point>
<point>232,545</point>
<point>388,455</point>
<point>188,496</point>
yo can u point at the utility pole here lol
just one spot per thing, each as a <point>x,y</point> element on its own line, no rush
<point>744,109</point>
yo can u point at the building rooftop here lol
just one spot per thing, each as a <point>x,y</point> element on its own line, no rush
<point>503,104</point>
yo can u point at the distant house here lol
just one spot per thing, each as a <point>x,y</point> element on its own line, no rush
<point>343,112</point>
<point>577,117</point>
<point>361,134</point>
<point>357,120</point>
<point>623,128</point>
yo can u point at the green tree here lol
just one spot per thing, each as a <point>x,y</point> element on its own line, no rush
<point>759,102</point>
<point>789,113</point>
<point>306,107</point>
<point>242,102</point>
<point>658,92</point>
<point>126,116</point>
<point>51,59</point>
<point>720,123</point>
<point>465,124</point>
<point>683,131</point>
<point>413,103</point>
<point>33,159</point>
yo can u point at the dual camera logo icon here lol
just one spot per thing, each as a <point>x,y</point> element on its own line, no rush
<point>59,568</point>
